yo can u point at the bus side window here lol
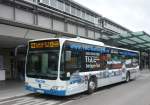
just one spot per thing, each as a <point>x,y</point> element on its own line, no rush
<point>72,61</point>
<point>68,55</point>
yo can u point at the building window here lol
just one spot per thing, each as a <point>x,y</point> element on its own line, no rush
<point>60,6</point>
<point>97,35</point>
<point>78,13</point>
<point>92,18</point>
<point>81,31</point>
<point>83,15</point>
<point>113,27</point>
<point>35,1</point>
<point>91,34</point>
<point>67,8</point>
<point>87,17</point>
<point>73,11</point>
<point>96,21</point>
<point>53,3</point>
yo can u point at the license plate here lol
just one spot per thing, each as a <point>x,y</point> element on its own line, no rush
<point>40,91</point>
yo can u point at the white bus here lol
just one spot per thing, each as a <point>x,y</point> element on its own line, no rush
<point>63,67</point>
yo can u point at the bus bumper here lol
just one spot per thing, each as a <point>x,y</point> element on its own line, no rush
<point>44,91</point>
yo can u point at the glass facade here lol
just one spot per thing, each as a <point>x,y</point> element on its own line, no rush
<point>79,12</point>
<point>58,4</point>
<point>114,28</point>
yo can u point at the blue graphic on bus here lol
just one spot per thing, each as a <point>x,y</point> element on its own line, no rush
<point>76,78</point>
<point>39,81</point>
<point>90,48</point>
<point>127,53</point>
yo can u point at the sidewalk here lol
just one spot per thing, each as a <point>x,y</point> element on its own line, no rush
<point>12,88</point>
<point>145,73</point>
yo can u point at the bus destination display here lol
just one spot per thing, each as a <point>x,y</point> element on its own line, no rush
<point>44,44</point>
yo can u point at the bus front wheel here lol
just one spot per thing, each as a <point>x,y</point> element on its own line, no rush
<point>91,85</point>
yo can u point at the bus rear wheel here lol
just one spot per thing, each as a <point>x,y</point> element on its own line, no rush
<point>127,76</point>
<point>91,86</point>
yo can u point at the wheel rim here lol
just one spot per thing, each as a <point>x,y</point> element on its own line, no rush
<point>127,78</point>
<point>92,85</point>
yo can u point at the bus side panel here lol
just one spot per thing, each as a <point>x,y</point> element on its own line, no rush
<point>75,88</point>
<point>109,77</point>
<point>133,72</point>
<point>115,76</point>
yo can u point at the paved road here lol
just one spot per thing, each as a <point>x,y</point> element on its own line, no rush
<point>34,99</point>
<point>136,92</point>
<point>133,93</point>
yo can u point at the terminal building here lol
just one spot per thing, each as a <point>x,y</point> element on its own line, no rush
<point>23,20</point>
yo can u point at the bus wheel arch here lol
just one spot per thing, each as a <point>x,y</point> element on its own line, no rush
<point>92,84</point>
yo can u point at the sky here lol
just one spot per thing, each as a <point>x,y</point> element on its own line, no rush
<point>131,14</point>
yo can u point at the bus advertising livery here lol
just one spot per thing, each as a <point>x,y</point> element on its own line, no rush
<point>65,67</point>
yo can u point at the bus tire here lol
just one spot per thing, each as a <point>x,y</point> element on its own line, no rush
<point>92,85</point>
<point>128,76</point>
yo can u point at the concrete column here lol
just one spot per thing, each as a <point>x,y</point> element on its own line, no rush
<point>149,60</point>
<point>52,22</point>
<point>14,12</point>
<point>77,30</point>
<point>145,62</point>
<point>66,25</point>
<point>35,15</point>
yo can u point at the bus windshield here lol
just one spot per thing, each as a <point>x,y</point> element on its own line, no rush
<point>42,63</point>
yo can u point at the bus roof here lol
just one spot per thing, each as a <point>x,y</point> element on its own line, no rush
<point>84,40</point>
<point>87,41</point>
<point>78,39</point>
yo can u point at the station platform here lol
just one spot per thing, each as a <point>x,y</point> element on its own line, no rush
<point>12,88</point>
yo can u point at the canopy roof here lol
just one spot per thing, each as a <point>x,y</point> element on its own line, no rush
<point>136,40</point>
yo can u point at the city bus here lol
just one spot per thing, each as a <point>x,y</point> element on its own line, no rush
<point>63,66</point>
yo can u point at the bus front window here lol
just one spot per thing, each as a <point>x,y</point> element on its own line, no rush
<point>43,64</point>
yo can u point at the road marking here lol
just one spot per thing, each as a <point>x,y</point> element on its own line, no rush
<point>66,102</point>
<point>2,102</point>
<point>30,101</point>
<point>42,103</point>
<point>24,101</point>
